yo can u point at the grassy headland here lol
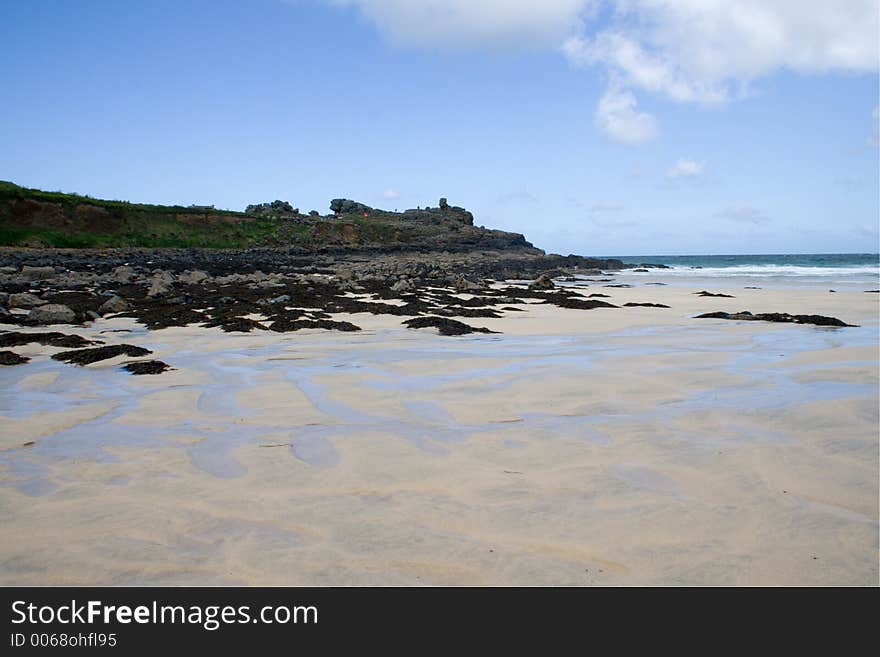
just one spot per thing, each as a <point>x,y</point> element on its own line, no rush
<point>40,219</point>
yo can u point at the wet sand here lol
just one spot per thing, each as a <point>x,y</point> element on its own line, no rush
<point>630,446</point>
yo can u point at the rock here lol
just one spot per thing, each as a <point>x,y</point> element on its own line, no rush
<point>147,367</point>
<point>347,206</point>
<point>160,284</point>
<point>445,326</point>
<point>703,293</point>
<point>444,204</point>
<point>461,284</point>
<point>52,339</point>
<point>274,209</point>
<point>114,304</point>
<point>235,324</point>
<point>4,298</point>
<point>577,303</point>
<point>745,315</point>
<point>283,298</point>
<point>158,289</point>
<point>91,315</point>
<point>52,313</point>
<point>645,305</point>
<point>95,354</point>
<point>543,282</point>
<point>283,325</point>
<point>193,277</point>
<point>122,274</point>
<point>403,285</point>
<point>25,300</point>
<point>36,273</point>
<point>12,358</point>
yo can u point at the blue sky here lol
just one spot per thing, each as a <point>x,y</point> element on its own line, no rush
<point>605,128</point>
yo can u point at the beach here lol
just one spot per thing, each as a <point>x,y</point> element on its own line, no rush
<point>613,446</point>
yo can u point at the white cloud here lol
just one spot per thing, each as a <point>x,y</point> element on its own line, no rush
<point>705,51</point>
<point>390,194</point>
<point>617,116</point>
<point>710,50</point>
<point>473,23</point>
<point>684,168</point>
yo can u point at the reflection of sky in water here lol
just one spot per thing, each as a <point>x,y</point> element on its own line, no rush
<point>222,424</point>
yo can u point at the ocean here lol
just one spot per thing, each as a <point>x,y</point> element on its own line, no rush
<point>799,268</point>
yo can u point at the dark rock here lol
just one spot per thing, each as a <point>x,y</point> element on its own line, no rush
<point>235,324</point>
<point>641,271</point>
<point>444,204</point>
<point>12,358</point>
<point>618,285</point>
<point>703,293</point>
<point>445,326</point>
<point>597,294</point>
<point>96,354</point>
<point>347,206</point>
<point>285,325</point>
<point>576,302</point>
<point>147,367</point>
<point>16,339</point>
<point>273,209</point>
<point>645,305</point>
<point>745,315</point>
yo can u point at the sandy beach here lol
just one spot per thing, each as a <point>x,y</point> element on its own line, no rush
<point>628,446</point>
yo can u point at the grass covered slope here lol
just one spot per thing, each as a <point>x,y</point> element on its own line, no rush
<point>39,219</point>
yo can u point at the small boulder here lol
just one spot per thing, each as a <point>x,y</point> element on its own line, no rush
<point>29,273</point>
<point>114,304</point>
<point>122,274</point>
<point>461,284</point>
<point>25,300</point>
<point>193,277</point>
<point>52,313</point>
<point>543,282</point>
<point>403,285</point>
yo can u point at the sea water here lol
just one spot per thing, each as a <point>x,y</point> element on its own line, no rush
<point>812,269</point>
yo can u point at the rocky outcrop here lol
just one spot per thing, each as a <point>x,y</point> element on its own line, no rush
<point>347,206</point>
<point>274,209</point>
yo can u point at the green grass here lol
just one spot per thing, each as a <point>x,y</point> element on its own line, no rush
<point>172,226</point>
<point>10,190</point>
